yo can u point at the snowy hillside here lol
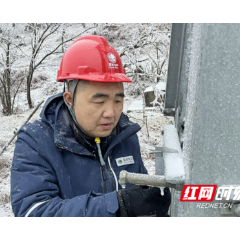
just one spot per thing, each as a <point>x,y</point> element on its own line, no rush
<point>44,85</point>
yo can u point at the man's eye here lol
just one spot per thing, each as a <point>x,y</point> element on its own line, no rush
<point>118,101</point>
<point>99,102</point>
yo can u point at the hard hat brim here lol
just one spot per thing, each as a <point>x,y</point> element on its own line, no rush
<point>116,77</point>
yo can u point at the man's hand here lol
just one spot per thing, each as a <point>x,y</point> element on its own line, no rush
<point>143,201</point>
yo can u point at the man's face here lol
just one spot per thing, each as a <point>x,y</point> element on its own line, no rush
<point>98,107</point>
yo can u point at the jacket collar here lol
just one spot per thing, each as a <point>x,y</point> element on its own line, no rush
<point>54,113</point>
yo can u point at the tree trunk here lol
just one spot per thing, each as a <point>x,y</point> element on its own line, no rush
<point>6,85</point>
<point>29,80</point>
<point>29,91</point>
<point>63,41</point>
<point>62,46</point>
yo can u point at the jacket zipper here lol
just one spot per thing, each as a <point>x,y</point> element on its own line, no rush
<point>111,180</point>
<point>103,181</point>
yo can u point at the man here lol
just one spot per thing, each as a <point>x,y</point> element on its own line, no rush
<point>68,162</point>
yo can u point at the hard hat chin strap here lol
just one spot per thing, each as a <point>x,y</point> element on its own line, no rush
<point>71,110</point>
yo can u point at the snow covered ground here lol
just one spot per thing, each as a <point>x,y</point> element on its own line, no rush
<point>46,88</point>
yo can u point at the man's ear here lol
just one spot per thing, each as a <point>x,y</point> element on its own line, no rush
<point>68,98</point>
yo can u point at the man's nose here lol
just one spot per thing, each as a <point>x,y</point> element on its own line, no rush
<point>109,111</point>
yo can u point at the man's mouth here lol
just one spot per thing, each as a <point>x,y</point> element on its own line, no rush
<point>106,126</point>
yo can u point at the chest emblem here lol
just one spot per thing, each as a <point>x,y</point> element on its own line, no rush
<point>124,161</point>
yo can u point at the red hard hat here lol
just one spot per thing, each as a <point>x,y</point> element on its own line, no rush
<point>91,58</point>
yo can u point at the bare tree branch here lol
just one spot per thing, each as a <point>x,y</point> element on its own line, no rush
<point>14,46</point>
<point>42,39</point>
<point>50,53</point>
<point>153,61</point>
<point>10,141</point>
<point>21,80</point>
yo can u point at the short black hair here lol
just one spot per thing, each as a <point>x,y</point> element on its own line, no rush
<point>82,84</point>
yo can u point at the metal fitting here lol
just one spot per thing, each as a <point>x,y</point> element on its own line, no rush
<point>145,180</point>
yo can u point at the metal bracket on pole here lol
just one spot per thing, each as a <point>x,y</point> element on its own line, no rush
<point>169,169</point>
<point>159,160</point>
<point>158,180</point>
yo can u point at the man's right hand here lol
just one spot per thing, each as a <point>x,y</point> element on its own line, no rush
<point>143,201</point>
